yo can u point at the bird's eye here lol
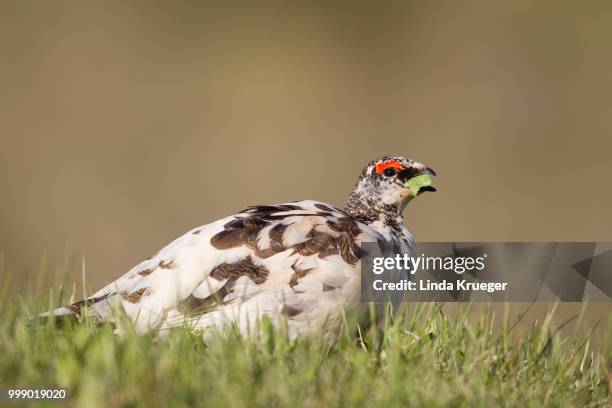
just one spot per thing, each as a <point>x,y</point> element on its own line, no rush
<point>389,171</point>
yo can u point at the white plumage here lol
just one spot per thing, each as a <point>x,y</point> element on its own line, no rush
<point>297,263</point>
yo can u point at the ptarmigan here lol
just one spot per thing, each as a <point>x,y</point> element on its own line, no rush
<point>297,262</point>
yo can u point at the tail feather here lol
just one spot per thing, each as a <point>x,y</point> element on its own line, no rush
<point>100,306</point>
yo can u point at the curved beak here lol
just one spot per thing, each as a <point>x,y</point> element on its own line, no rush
<point>429,170</point>
<point>419,180</point>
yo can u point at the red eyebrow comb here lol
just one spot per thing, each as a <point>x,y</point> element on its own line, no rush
<point>380,167</point>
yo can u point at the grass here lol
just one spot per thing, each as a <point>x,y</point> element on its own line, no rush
<point>423,357</point>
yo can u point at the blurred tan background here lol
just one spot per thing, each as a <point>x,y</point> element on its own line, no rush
<point>124,124</point>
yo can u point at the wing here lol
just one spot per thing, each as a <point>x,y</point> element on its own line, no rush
<point>297,260</point>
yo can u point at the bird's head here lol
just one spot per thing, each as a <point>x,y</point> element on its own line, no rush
<point>386,185</point>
